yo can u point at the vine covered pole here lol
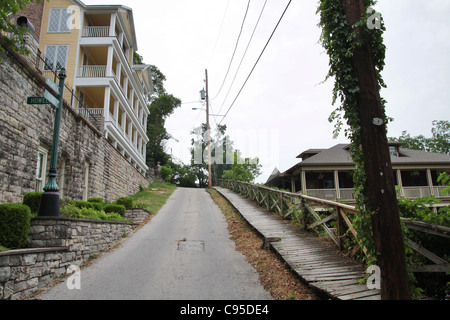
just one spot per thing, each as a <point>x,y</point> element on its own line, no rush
<point>382,199</point>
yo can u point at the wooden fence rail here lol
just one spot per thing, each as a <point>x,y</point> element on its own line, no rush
<point>314,213</point>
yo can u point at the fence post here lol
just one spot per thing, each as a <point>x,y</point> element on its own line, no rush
<point>339,228</point>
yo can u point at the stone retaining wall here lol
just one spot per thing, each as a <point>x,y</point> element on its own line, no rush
<point>57,243</point>
<point>83,150</point>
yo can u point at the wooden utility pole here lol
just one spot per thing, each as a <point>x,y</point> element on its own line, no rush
<point>208,131</point>
<point>382,198</point>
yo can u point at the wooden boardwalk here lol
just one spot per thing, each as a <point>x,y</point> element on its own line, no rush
<point>314,260</point>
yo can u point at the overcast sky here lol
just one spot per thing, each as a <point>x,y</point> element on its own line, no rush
<point>284,107</point>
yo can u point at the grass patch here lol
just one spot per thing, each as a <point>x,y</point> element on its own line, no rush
<point>153,197</point>
<point>2,249</point>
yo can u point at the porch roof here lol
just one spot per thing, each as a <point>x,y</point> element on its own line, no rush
<point>339,156</point>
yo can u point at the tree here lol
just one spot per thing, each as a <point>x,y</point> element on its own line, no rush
<point>439,142</point>
<point>246,170</point>
<point>227,163</point>
<point>15,33</point>
<point>357,52</point>
<point>162,106</point>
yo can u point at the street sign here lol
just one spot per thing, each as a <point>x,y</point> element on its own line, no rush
<point>52,85</point>
<point>37,100</point>
<point>51,99</point>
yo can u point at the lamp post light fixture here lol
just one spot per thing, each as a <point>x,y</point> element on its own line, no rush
<point>49,205</point>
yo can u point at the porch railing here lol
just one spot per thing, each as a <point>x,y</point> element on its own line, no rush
<point>315,214</point>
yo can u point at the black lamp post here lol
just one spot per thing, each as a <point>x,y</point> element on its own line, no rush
<point>49,205</point>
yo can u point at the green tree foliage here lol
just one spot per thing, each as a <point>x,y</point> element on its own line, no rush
<point>15,33</point>
<point>246,170</point>
<point>162,106</point>
<point>227,163</point>
<point>439,142</point>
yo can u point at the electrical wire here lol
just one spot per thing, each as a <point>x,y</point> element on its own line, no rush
<point>273,32</point>
<point>242,59</point>
<point>220,32</point>
<point>234,52</point>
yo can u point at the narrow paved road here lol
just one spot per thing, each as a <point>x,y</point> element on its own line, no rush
<point>182,253</point>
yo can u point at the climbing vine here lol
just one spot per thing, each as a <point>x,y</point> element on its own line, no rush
<point>340,39</point>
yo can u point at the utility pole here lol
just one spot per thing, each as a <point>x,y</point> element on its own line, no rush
<point>208,132</point>
<point>382,198</point>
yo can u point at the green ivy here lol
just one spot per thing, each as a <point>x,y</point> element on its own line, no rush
<point>340,40</point>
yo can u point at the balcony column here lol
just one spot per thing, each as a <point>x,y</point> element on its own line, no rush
<point>106,103</point>
<point>109,62</point>
<point>112,25</point>
<point>124,120</point>
<point>116,111</point>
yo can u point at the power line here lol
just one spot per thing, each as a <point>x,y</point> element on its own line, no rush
<point>273,32</point>
<point>242,59</point>
<point>220,32</point>
<point>232,57</point>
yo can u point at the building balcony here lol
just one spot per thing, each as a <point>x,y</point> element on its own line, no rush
<point>91,71</point>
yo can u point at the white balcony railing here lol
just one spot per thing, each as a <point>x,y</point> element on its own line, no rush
<point>95,32</point>
<point>92,72</point>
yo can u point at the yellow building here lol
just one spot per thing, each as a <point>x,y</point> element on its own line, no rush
<point>95,44</point>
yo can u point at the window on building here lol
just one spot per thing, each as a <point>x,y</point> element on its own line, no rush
<point>59,20</point>
<point>55,57</point>
<point>41,168</point>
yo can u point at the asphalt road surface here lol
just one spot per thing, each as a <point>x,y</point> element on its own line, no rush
<point>183,253</point>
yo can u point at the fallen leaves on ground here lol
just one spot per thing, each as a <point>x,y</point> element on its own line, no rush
<point>274,274</point>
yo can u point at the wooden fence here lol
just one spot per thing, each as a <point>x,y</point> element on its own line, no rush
<point>317,214</point>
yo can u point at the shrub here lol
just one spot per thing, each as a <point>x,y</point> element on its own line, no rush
<point>116,208</point>
<point>82,204</point>
<point>14,225</point>
<point>97,203</point>
<point>32,200</point>
<point>127,202</point>
<point>70,211</point>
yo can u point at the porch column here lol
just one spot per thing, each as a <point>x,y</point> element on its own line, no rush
<point>293,185</point>
<point>400,183</point>
<point>430,182</point>
<point>336,184</point>
<point>303,181</point>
